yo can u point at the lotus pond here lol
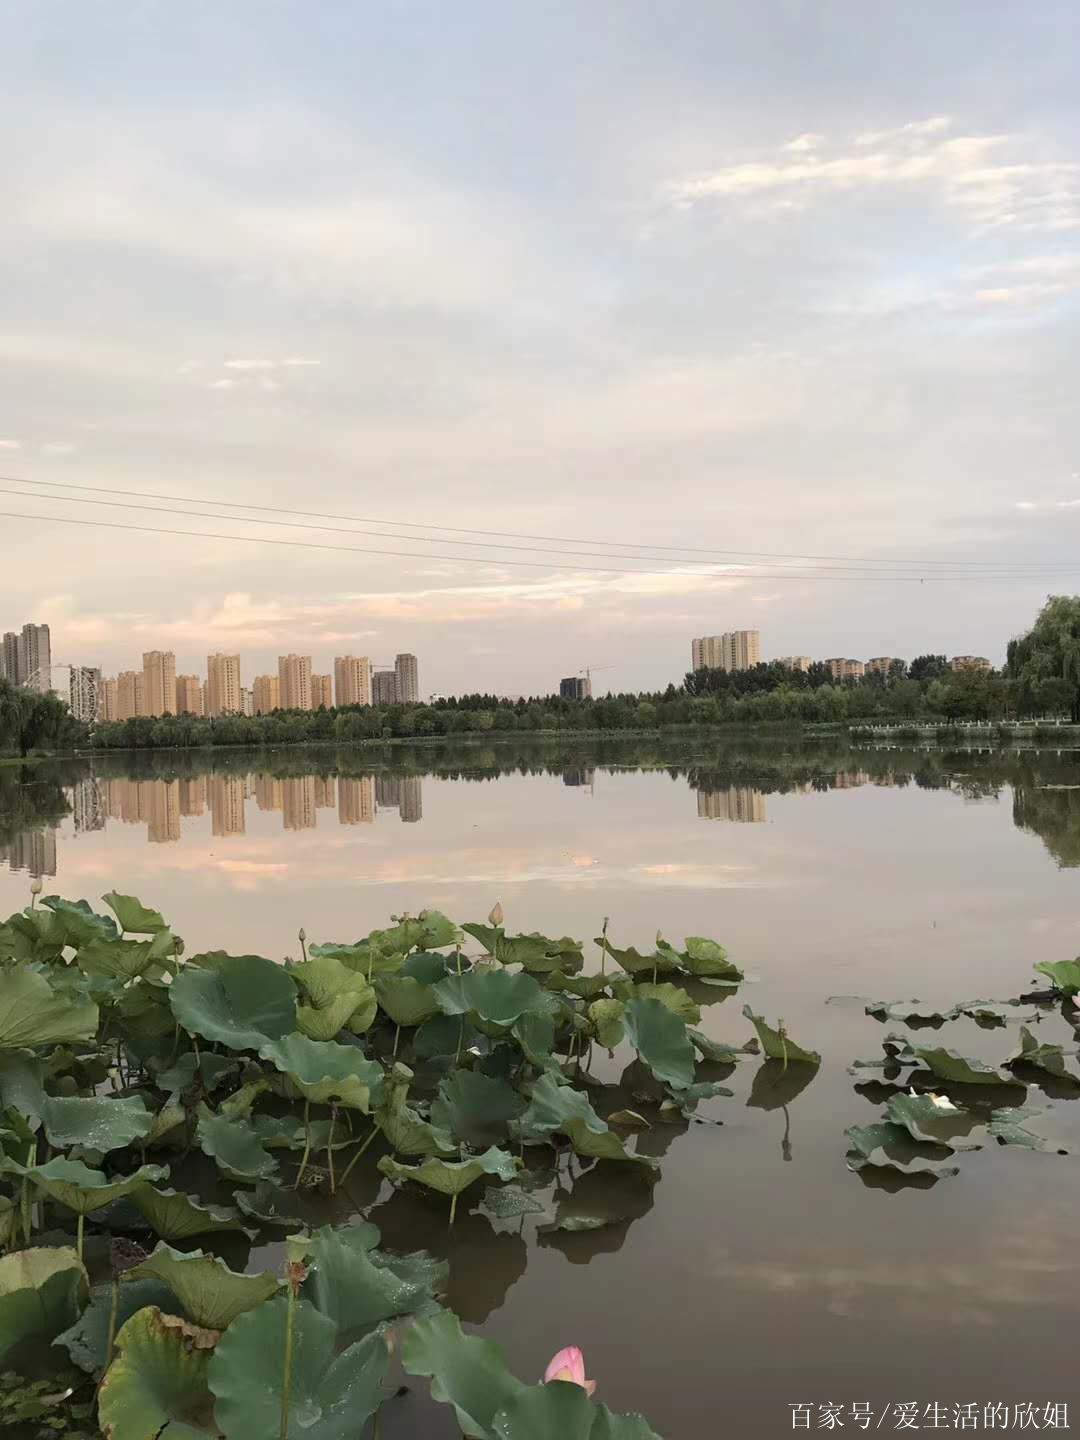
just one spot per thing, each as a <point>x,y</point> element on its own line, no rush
<point>792,1124</point>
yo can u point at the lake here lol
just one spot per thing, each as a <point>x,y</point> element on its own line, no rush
<point>758,1272</point>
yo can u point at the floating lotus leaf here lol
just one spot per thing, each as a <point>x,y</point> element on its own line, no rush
<point>672,997</point>
<point>718,1051</point>
<point>1064,973</point>
<point>469,1373</point>
<point>176,1216</point>
<point>661,1040</point>
<point>272,1205</point>
<point>888,1145</point>
<point>508,1202</point>
<point>333,996</point>
<point>407,1131</point>
<point>88,1339</point>
<point>607,1021</point>
<point>210,1293</point>
<point>959,1069</point>
<point>235,1146</point>
<point>96,1122</point>
<point>708,960</point>
<point>406,1000</point>
<point>1050,1058</point>
<point>777,1045</point>
<point>330,1396</point>
<point>156,1386</point>
<point>41,1293</point>
<point>1006,1128</point>
<point>933,1118</point>
<point>346,1284</point>
<point>133,916</point>
<point>450,1177</point>
<point>908,1012</point>
<point>561,1108</point>
<point>242,1002</point>
<point>686,1101</point>
<point>494,995</point>
<point>33,1013</point>
<point>327,1073</point>
<point>628,1120</point>
<point>84,1190</point>
<point>635,963</point>
<point>120,959</point>
<point>563,1411</point>
<point>475,1108</point>
<point>22,1087</point>
<point>208,1069</point>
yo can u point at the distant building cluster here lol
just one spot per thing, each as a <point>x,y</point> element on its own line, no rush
<point>735,650</point>
<point>741,650</point>
<point>26,657</point>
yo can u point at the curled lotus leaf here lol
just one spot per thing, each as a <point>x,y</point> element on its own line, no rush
<point>606,1017</point>
<point>958,1069</point>
<point>475,1108</point>
<point>121,959</point>
<point>585,987</point>
<point>41,1294</point>
<point>934,1118</point>
<point>555,1108</point>
<point>672,997</point>
<point>326,1072</point>
<point>87,1341</point>
<point>661,1040</point>
<point>1065,975</point>
<point>450,1177</point>
<point>133,916</point>
<point>210,1293</point>
<point>235,1146</point>
<point>347,1283</point>
<point>96,1122</point>
<point>465,1371</point>
<point>405,1129</point>
<point>407,1000</point>
<point>708,961</point>
<point>242,1002</point>
<point>156,1386</point>
<point>1007,1129</point>
<point>778,1045</point>
<point>208,1071</point>
<point>22,1084</point>
<point>332,995</point>
<point>176,1216</point>
<point>635,963</point>
<point>77,922</point>
<point>1050,1058</point>
<point>720,1052</point>
<point>83,1190</point>
<point>891,1146</point>
<point>33,1013</point>
<point>495,996</point>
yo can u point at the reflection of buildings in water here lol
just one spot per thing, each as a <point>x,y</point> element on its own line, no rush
<point>850,779</point>
<point>88,805</point>
<point>226,805</point>
<point>402,793</point>
<point>33,851</point>
<point>582,775</point>
<point>298,803</point>
<point>162,810</point>
<point>267,792</point>
<point>356,800</point>
<point>193,796</point>
<point>738,803</point>
<point>325,792</point>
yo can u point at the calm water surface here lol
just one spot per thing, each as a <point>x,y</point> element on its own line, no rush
<point>757,1272</point>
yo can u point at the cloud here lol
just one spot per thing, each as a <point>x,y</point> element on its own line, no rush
<point>57,447</point>
<point>10,445</point>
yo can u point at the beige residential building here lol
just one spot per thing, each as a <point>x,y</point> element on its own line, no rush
<point>322,696</point>
<point>110,700</point>
<point>222,696</point>
<point>247,701</point>
<point>970,662</point>
<point>841,669</point>
<point>129,684</point>
<point>294,682</point>
<point>735,650</point>
<point>356,800</point>
<point>795,662</point>
<point>408,679</point>
<point>881,664</point>
<point>189,695</point>
<point>352,680</point>
<point>159,682</point>
<point>266,694</point>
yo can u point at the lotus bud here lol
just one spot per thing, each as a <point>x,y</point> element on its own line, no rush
<point>302,935</point>
<point>659,939</point>
<point>36,886</point>
<point>496,917</point>
<point>569,1366</point>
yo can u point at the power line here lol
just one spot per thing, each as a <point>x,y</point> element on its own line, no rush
<point>604,545</point>
<point>470,560</point>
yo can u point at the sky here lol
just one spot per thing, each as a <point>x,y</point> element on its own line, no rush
<point>706,290</point>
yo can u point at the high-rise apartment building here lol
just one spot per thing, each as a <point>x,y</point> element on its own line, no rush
<point>190,698</point>
<point>970,662</point>
<point>322,696</point>
<point>841,669</point>
<point>575,687</point>
<point>85,693</point>
<point>266,694</point>
<point>222,696</point>
<point>352,680</point>
<point>129,685</point>
<point>35,658</point>
<point>109,700</point>
<point>9,658</point>
<point>294,682</point>
<point>734,650</point>
<point>881,664</point>
<point>795,662</point>
<point>159,682</point>
<point>408,679</point>
<point>247,701</point>
<point>384,687</point>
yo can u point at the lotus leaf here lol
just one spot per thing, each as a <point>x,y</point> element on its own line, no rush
<point>885,1144</point>
<point>475,1108</point>
<point>563,1411</point>
<point>96,1122</point>
<point>406,1000</point>
<point>1050,1058</point>
<point>346,1285</point>
<point>933,1118</point>
<point>88,1339</point>
<point>210,1293</point>
<point>133,916</point>
<point>686,1101</point>
<point>716,1050</point>
<point>708,960</point>
<point>495,996</point>
<point>535,1033</point>
<point>958,1069</point>
<point>22,1084</point>
<point>585,987</point>
<point>176,1216</point>
<point>777,1045</point>
<point>661,1040</point>
<point>84,1190</point>
<point>404,1128</point>
<point>241,1003</point>
<point>607,1020</point>
<point>41,1293</point>
<point>272,1205</point>
<point>561,1108</point>
<point>469,1373</point>
<point>672,997</point>
<point>1064,973</point>
<point>335,995</point>
<point>156,1386</point>
<point>635,963</point>
<point>121,959</point>
<point>427,966</point>
<point>32,1013</point>
<point>452,1177</point>
<point>326,1072</point>
<point>235,1146</point>
<point>908,1012</point>
<point>209,1070</point>
<point>507,1202</point>
<point>330,1396</point>
<point>442,1035</point>
<point>78,922</point>
<point>1006,1128</point>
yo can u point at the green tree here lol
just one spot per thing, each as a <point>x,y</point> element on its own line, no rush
<point>928,667</point>
<point>1049,652</point>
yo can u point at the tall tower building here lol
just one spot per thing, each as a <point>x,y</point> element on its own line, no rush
<point>735,650</point>
<point>247,701</point>
<point>294,682</point>
<point>128,694</point>
<point>321,692</point>
<point>109,700</point>
<point>352,680</point>
<point>266,694</point>
<point>9,658</point>
<point>35,658</point>
<point>190,698</point>
<point>223,685</point>
<point>384,687</point>
<point>408,679</point>
<point>159,682</point>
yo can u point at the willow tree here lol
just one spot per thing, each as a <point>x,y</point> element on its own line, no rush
<point>1045,662</point>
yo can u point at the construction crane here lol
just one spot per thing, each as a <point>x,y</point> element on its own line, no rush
<point>588,673</point>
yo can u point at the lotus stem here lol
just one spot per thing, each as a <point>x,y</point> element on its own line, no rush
<point>27,1205</point>
<point>330,1148</point>
<point>453,1207</point>
<point>603,946</point>
<point>286,1373</point>
<point>302,936</point>
<point>356,1157</point>
<point>397,1037</point>
<point>79,1234</point>
<point>113,1308</point>
<point>307,1145</point>
<point>460,1041</point>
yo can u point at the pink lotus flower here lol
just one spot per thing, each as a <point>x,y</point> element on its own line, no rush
<point>569,1365</point>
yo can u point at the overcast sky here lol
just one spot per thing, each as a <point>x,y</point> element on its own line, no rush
<point>800,278</point>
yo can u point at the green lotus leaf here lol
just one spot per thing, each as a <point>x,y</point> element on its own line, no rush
<point>133,916</point>
<point>607,1021</point>
<point>235,1146</point>
<point>22,1084</point>
<point>326,1072</point>
<point>535,1033</point>
<point>330,1396</point>
<point>333,995</point>
<point>635,963</point>
<point>469,1373</point>
<point>406,1000</point>
<point>884,1144</point>
<point>404,1128</point>
<point>41,1293</point>
<point>508,1202</point>
<point>1064,973</point>
<point>533,952</point>
<point>585,987</point>
<point>271,1205</point>
<point>718,1051</point>
<point>347,1285</point>
<point>959,1069</point>
<point>1006,1128</point>
<point>121,959</point>
<point>156,1386</point>
<point>442,1035</point>
<point>908,1012</point>
<point>672,997</point>
<point>561,1108</point>
<point>78,922</point>
<point>660,1039</point>
<point>563,1411</point>
<point>83,1190</point>
<point>208,1069</point>
<point>146,1018</point>
<point>933,1118</point>
<point>451,1177</point>
<point>778,1045</point>
<point>241,1003</point>
<point>686,1101</point>
<point>88,1339</point>
<point>495,996</point>
<point>96,1122</point>
<point>211,1294</point>
<point>165,1121</point>
<point>176,1216</point>
<point>427,966</point>
<point>776,1085</point>
<point>33,1013</point>
<point>427,931</point>
<point>708,960</point>
<point>1050,1058</point>
<point>475,1108</point>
